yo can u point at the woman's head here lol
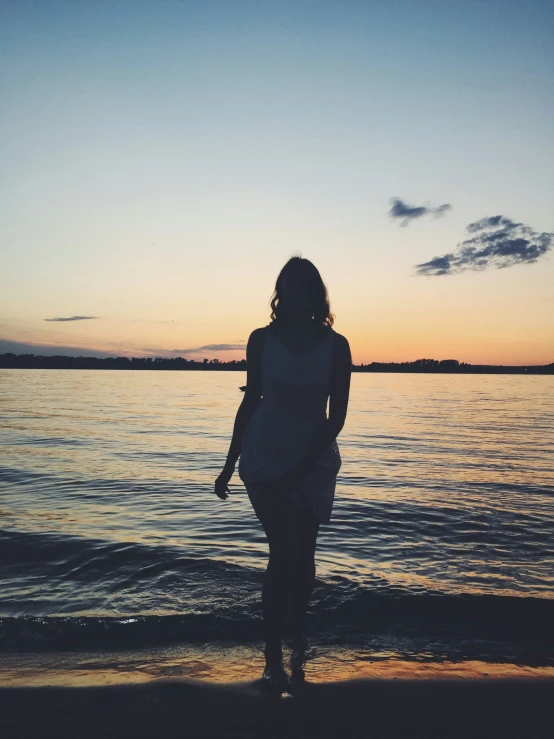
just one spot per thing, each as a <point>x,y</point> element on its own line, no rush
<point>300,294</point>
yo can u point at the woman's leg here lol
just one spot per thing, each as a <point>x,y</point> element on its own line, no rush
<point>272,511</point>
<point>305,528</point>
<point>291,531</point>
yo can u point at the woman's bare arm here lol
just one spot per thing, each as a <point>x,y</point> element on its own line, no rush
<point>252,396</point>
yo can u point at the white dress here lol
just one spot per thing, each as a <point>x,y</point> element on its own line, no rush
<point>295,390</point>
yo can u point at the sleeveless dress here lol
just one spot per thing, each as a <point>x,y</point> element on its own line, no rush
<point>286,423</point>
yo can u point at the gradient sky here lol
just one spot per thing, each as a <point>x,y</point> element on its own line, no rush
<point>161,161</point>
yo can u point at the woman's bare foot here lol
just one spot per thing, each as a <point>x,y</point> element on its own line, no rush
<point>275,676</point>
<point>300,648</point>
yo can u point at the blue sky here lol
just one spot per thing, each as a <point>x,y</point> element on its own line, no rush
<point>163,160</point>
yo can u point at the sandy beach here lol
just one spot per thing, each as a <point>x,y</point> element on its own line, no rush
<point>215,690</point>
<point>356,708</point>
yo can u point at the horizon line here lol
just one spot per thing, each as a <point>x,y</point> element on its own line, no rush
<point>216,360</point>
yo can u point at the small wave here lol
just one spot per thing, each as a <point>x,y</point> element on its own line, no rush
<point>24,552</point>
<point>464,618</point>
<point>46,441</point>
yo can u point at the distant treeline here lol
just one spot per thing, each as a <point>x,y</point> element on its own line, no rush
<point>36,361</point>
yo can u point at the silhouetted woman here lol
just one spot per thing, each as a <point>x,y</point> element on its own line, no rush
<point>289,457</point>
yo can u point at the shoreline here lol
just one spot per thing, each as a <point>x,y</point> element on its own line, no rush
<point>216,690</point>
<point>221,662</point>
<point>179,364</point>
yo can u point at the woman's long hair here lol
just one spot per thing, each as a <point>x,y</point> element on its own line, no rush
<point>321,312</point>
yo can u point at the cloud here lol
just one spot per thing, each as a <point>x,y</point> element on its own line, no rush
<point>55,348</point>
<point>400,210</point>
<point>50,350</point>
<point>72,318</point>
<point>495,242</point>
<point>197,350</point>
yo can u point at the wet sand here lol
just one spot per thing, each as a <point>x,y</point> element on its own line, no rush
<point>215,690</point>
<point>227,662</point>
<point>387,708</point>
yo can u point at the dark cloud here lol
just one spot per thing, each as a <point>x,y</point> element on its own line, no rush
<point>495,242</point>
<point>405,213</point>
<point>54,349</point>
<point>72,318</point>
<point>198,349</point>
<point>50,350</point>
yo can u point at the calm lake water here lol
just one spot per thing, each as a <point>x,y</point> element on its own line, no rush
<point>441,542</point>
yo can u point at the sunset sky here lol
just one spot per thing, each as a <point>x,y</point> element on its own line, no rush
<point>162,160</point>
